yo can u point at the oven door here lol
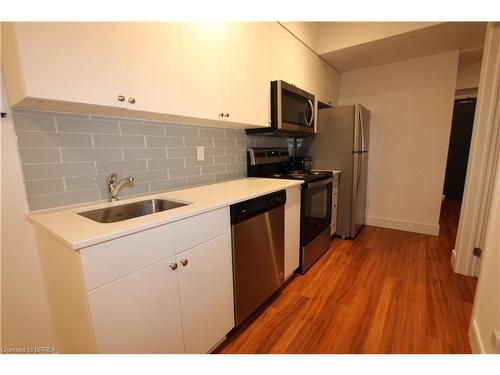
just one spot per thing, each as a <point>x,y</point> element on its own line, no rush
<point>295,109</point>
<point>316,209</point>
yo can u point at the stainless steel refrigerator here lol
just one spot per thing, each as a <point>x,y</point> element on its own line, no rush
<point>341,142</point>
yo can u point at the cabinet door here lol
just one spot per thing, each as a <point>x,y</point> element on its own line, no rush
<point>201,70</point>
<point>289,58</point>
<point>139,313</point>
<point>246,72</point>
<point>76,62</point>
<point>152,54</point>
<point>292,230</point>
<point>206,291</point>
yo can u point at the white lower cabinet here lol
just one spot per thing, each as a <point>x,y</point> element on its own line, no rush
<point>206,293</point>
<point>183,304</point>
<point>139,313</point>
<point>292,231</point>
<point>167,289</point>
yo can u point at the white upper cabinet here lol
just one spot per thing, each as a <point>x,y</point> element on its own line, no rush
<point>74,62</point>
<point>215,74</point>
<point>201,70</point>
<point>246,72</point>
<point>293,62</point>
<point>153,63</point>
<point>288,58</point>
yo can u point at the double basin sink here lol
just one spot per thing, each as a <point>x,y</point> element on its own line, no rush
<point>130,210</point>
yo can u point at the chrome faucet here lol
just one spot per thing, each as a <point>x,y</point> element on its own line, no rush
<point>115,187</point>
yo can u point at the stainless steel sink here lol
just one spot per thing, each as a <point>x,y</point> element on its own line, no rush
<point>131,210</point>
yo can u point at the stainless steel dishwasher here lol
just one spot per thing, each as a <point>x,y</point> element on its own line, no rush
<point>258,233</point>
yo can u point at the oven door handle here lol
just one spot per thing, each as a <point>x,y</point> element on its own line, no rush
<point>311,185</point>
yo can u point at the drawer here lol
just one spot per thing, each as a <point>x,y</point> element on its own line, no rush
<point>108,261</point>
<point>200,228</point>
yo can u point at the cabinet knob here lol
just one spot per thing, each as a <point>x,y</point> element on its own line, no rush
<point>227,114</point>
<point>131,100</point>
<point>184,262</point>
<point>121,98</point>
<point>173,266</point>
<point>221,114</point>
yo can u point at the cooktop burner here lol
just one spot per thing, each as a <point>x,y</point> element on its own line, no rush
<point>275,162</point>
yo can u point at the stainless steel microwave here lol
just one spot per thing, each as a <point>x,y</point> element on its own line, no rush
<point>292,111</point>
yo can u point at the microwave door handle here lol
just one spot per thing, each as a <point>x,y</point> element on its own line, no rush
<point>310,121</point>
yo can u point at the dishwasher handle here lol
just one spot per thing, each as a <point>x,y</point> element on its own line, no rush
<point>253,207</point>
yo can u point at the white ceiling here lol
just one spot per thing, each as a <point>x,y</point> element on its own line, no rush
<point>427,41</point>
<point>354,45</point>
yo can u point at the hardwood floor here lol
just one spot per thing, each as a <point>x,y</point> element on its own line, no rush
<point>387,291</point>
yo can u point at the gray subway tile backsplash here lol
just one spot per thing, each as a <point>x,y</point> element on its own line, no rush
<point>40,155</point>
<point>49,139</point>
<point>40,202</point>
<point>138,128</point>
<point>125,166</point>
<point>144,153</point>
<point>33,122</point>
<point>111,140</point>
<point>82,125</point>
<point>166,163</point>
<point>44,171</point>
<point>38,187</point>
<point>67,158</point>
<point>183,172</point>
<point>91,154</point>
<point>173,183</point>
<point>164,142</point>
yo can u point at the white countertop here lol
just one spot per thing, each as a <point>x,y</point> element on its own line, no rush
<point>77,231</point>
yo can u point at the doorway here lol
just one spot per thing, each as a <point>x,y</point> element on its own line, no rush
<point>458,149</point>
<point>456,166</point>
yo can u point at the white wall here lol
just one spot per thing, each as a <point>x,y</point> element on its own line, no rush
<point>25,313</point>
<point>411,104</point>
<point>468,76</point>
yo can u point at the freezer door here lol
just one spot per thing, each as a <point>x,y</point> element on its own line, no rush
<point>359,185</point>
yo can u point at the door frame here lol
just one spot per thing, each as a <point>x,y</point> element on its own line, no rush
<point>484,150</point>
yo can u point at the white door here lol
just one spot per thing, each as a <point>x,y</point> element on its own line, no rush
<point>201,70</point>
<point>77,62</point>
<point>206,291</point>
<point>246,72</point>
<point>152,54</point>
<point>139,313</point>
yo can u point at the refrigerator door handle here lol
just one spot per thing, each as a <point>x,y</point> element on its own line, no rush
<point>360,167</point>
<point>362,128</point>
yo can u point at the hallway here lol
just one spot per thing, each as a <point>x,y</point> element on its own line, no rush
<point>388,291</point>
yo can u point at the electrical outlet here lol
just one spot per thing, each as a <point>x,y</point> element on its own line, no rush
<point>200,153</point>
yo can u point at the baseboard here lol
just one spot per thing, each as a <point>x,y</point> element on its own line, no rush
<point>408,226</point>
<point>475,339</point>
